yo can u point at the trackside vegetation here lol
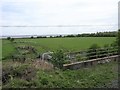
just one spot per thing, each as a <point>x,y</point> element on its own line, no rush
<point>25,76</point>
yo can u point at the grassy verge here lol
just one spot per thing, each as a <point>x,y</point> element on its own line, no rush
<point>97,76</point>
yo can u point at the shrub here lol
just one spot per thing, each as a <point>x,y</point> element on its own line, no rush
<point>44,81</point>
<point>67,62</point>
<point>79,57</point>
<point>16,83</point>
<point>58,59</point>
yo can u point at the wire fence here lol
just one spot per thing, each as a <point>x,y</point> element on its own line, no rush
<point>93,53</point>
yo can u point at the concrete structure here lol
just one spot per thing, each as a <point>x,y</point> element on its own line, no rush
<point>47,55</point>
<point>88,63</point>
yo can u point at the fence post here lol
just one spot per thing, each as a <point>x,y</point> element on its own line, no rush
<point>108,52</point>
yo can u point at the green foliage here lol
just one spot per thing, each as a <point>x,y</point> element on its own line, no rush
<point>23,71</point>
<point>32,37</point>
<point>44,81</point>
<point>19,58</point>
<point>8,38</point>
<point>12,39</point>
<point>84,78</point>
<point>114,44</point>
<point>67,62</point>
<point>16,83</point>
<point>58,59</point>
<point>94,46</point>
<point>79,57</point>
<point>98,34</point>
<point>118,40</point>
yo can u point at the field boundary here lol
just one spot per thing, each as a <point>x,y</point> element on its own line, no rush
<point>81,64</point>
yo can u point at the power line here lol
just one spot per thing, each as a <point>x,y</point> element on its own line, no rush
<point>55,25</point>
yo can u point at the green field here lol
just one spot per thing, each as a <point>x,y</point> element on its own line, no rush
<point>7,48</point>
<point>46,44</point>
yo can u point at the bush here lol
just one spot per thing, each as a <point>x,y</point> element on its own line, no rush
<point>67,62</point>
<point>58,59</point>
<point>44,81</point>
<point>16,83</point>
<point>79,58</point>
<point>24,71</point>
<point>118,40</point>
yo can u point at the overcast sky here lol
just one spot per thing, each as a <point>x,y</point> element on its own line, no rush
<point>102,14</point>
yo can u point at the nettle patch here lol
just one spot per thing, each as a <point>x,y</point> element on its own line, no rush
<point>26,49</point>
<point>23,53</point>
<point>25,72</point>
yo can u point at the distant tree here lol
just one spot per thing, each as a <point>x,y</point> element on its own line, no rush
<point>70,36</point>
<point>8,38</point>
<point>60,36</point>
<point>32,37</point>
<point>51,36</point>
<point>79,35</point>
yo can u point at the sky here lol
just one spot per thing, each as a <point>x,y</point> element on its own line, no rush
<point>91,15</point>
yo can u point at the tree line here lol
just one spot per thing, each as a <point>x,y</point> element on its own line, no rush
<point>98,34</point>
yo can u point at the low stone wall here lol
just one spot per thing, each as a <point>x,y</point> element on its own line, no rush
<point>88,63</point>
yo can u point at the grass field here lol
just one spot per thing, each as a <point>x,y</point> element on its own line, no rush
<point>7,48</point>
<point>46,44</point>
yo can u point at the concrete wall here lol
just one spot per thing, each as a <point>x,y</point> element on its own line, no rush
<point>89,63</point>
